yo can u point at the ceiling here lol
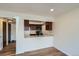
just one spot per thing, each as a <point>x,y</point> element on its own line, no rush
<point>39,8</point>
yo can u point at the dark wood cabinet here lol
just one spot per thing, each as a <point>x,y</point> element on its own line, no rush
<point>48,25</point>
<point>26,25</point>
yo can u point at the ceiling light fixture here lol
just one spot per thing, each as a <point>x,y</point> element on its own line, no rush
<point>51,10</point>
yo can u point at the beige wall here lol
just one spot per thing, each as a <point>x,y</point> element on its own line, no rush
<point>67,32</point>
<point>1,35</point>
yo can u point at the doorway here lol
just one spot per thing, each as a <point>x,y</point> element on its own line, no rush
<point>8,36</point>
<point>9,33</point>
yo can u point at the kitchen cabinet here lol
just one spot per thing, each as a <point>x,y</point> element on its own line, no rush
<point>26,25</point>
<point>48,25</point>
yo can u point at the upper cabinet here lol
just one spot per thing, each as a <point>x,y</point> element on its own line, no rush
<point>26,25</point>
<point>33,24</point>
<point>48,25</point>
<point>32,27</point>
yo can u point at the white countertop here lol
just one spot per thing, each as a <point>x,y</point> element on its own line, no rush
<point>38,36</point>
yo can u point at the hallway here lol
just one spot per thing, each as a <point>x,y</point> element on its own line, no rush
<point>8,50</point>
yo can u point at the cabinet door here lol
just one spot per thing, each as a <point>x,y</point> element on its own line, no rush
<point>48,25</point>
<point>26,25</point>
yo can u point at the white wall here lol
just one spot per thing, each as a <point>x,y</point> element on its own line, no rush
<point>67,33</point>
<point>19,34</point>
<point>13,31</point>
<point>34,43</point>
<point>29,44</point>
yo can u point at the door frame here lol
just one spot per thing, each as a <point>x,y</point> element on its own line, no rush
<point>4,33</point>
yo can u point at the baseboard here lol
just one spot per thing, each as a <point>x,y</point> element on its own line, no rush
<point>63,51</point>
<point>19,52</point>
<point>32,50</point>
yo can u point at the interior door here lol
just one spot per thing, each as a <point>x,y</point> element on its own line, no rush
<point>4,34</point>
<point>9,32</point>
